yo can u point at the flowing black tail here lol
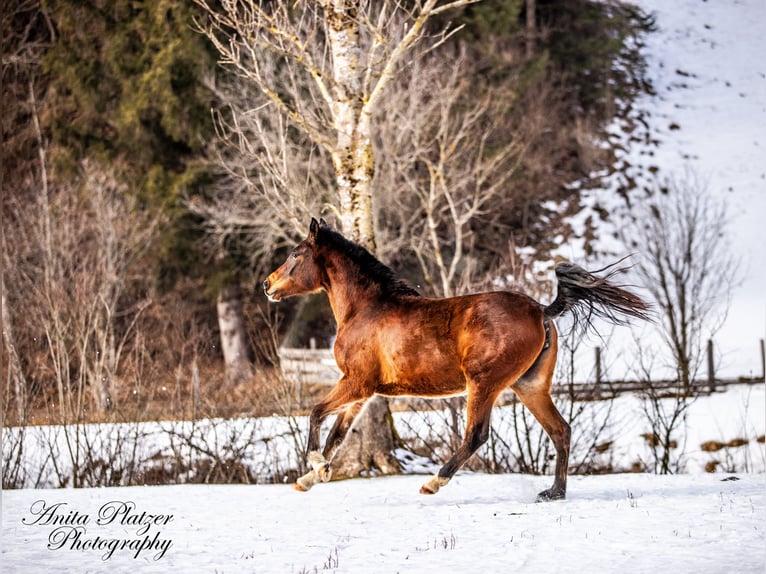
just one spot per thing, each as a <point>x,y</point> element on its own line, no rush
<point>586,296</point>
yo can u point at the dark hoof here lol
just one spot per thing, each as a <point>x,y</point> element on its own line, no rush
<point>551,494</point>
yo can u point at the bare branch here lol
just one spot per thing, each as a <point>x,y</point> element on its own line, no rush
<point>410,38</point>
<point>243,32</point>
<point>686,266</point>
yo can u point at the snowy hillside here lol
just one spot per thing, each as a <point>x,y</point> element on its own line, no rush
<point>708,119</point>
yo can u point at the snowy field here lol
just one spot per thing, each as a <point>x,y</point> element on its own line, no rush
<point>698,522</point>
<point>478,523</point>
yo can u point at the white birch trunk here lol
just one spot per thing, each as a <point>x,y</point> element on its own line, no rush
<point>368,447</point>
<point>352,156</point>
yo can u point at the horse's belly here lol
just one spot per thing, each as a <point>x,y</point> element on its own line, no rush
<point>417,363</point>
<point>439,384</point>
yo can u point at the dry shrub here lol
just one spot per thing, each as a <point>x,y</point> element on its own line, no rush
<point>737,442</point>
<point>712,446</point>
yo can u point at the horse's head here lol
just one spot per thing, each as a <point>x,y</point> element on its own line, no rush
<point>300,273</point>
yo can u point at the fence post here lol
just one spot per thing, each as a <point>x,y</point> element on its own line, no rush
<point>763,362</point>
<point>598,366</point>
<point>195,388</point>
<point>710,366</point>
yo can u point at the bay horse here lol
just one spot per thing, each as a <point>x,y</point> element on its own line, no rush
<point>392,341</point>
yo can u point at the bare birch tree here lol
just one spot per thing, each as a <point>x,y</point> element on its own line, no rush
<point>351,51</point>
<point>335,59</point>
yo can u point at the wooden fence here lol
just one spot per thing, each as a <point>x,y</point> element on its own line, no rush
<point>317,366</point>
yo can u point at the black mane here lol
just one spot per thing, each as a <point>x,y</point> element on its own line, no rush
<point>370,268</point>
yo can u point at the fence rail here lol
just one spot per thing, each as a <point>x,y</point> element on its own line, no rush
<point>606,389</point>
<point>317,366</point>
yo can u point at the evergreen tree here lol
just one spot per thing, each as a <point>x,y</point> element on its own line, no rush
<point>595,46</point>
<point>127,80</point>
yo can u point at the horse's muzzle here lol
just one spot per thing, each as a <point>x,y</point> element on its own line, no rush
<point>271,294</point>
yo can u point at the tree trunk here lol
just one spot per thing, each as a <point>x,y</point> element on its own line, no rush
<point>101,368</point>
<point>368,446</point>
<point>231,322</point>
<point>352,157</point>
<point>531,28</point>
<point>15,374</point>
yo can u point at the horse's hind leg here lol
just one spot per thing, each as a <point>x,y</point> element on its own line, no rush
<point>542,407</point>
<point>479,408</point>
<point>534,391</point>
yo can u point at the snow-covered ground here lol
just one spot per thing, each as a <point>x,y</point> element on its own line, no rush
<point>478,523</point>
<point>699,522</point>
<point>268,448</point>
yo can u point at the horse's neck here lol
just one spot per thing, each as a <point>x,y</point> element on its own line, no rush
<point>347,294</point>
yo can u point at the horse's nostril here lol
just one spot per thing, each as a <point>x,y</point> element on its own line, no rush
<point>266,285</point>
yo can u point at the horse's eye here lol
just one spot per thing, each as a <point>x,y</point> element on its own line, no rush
<point>294,255</point>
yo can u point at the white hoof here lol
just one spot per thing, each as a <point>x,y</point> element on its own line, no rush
<point>433,485</point>
<point>304,483</point>
<point>320,466</point>
<point>320,472</point>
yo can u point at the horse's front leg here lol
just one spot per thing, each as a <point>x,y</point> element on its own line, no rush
<point>342,396</point>
<point>319,467</point>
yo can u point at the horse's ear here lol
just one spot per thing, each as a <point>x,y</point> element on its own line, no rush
<point>313,228</point>
<point>322,222</point>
